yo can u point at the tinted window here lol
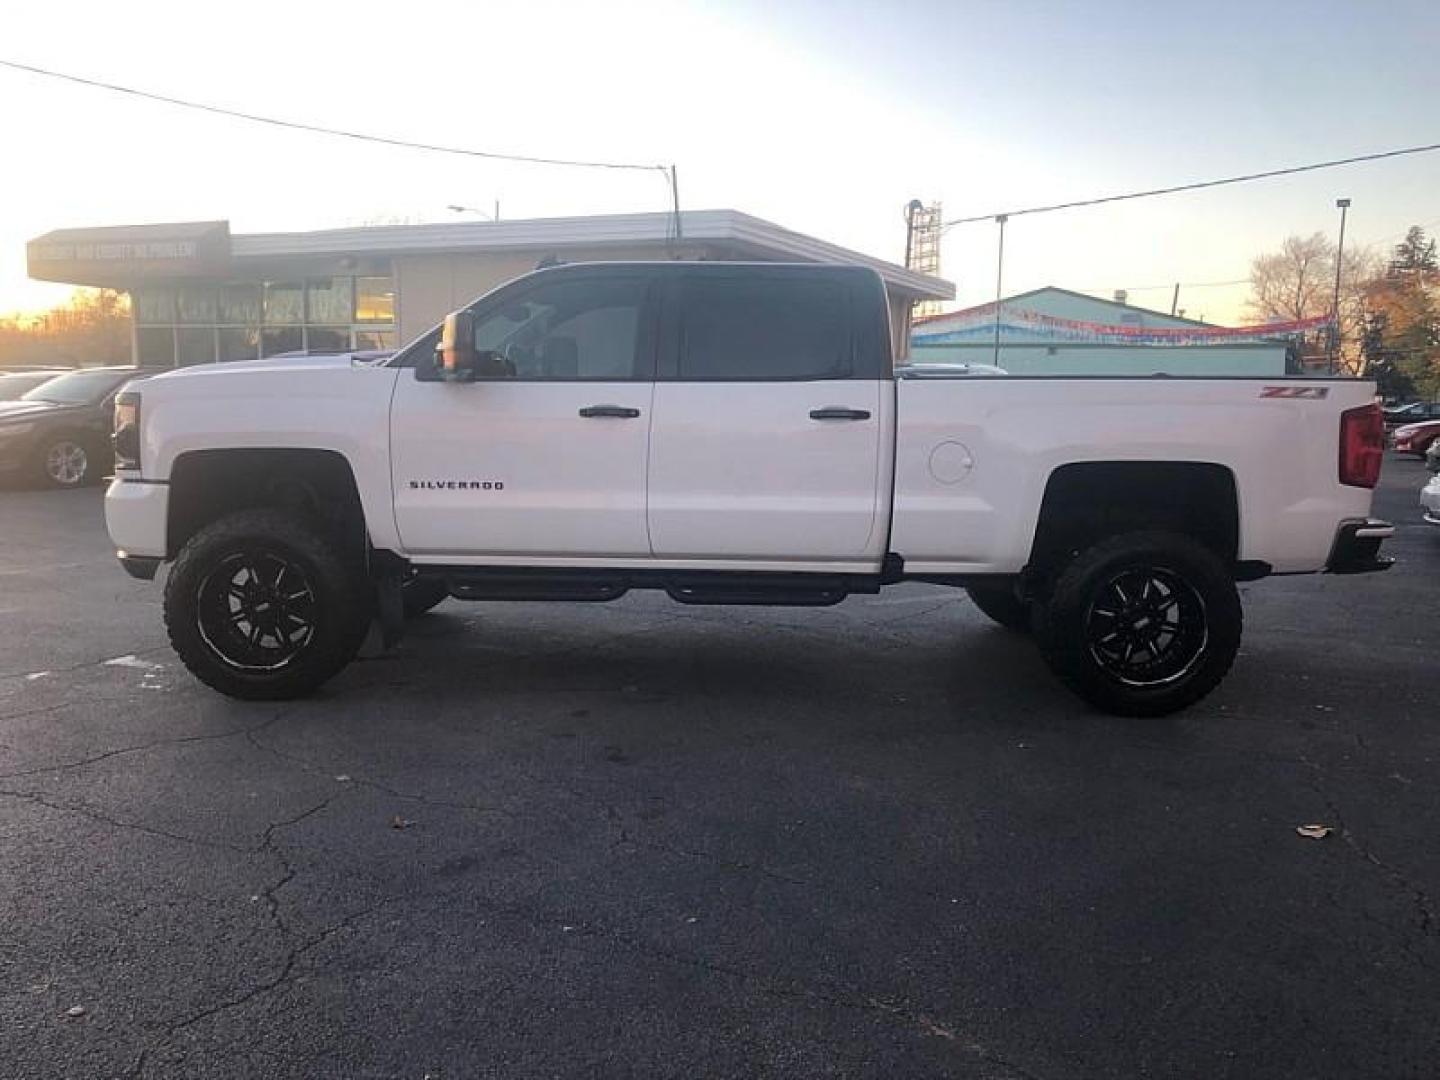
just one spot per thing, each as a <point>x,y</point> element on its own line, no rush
<point>567,330</point>
<point>79,388</point>
<point>763,328</point>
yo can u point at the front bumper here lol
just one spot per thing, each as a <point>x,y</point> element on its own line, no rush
<point>1357,547</point>
<point>136,516</point>
<point>1430,500</point>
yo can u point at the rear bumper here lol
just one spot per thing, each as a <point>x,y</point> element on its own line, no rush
<point>1357,547</point>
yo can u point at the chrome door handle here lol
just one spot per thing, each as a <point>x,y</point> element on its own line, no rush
<point>835,412</point>
<point>621,411</point>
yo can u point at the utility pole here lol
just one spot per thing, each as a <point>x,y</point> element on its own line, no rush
<point>913,207</point>
<point>1175,299</point>
<point>1000,220</point>
<point>1344,207</point>
<point>675,200</point>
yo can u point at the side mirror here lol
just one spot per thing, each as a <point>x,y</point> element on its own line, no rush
<point>458,358</point>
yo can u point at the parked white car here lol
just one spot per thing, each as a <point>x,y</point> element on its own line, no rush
<point>731,434</point>
<point>1430,500</point>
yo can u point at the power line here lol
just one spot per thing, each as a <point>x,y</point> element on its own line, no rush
<point>1170,285</point>
<point>297,125</point>
<point>1312,167</point>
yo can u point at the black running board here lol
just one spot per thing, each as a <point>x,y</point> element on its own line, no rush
<point>709,587</point>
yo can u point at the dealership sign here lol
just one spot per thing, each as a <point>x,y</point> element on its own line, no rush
<point>117,256</point>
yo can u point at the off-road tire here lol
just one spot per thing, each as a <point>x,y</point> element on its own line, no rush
<point>1002,605</point>
<point>419,595</point>
<point>339,604</point>
<point>1070,626</point>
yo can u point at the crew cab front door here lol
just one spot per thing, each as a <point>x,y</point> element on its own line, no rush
<point>770,441</point>
<point>545,457</point>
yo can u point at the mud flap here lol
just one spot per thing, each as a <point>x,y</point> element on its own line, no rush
<point>388,626</point>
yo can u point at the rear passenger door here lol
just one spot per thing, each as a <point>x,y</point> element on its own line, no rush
<point>769,409</point>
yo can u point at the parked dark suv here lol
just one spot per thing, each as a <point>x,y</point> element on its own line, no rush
<point>59,432</point>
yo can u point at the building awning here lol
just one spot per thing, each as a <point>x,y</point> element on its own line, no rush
<point>119,255</point>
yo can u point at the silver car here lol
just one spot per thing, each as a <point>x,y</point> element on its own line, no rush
<point>1430,500</point>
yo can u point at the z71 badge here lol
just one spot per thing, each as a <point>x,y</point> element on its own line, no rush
<point>457,485</point>
<point>1308,393</point>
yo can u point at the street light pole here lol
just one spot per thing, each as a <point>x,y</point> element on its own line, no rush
<point>1000,220</point>
<point>457,208</point>
<point>1344,206</point>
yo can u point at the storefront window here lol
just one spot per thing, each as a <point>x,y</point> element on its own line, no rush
<point>198,323</point>
<point>155,346</point>
<point>329,300</point>
<point>196,304</point>
<point>327,338</point>
<point>284,303</point>
<point>239,343</point>
<point>281,339</point>
<point>154,304</point>
<point>240,305</point>
<point>194,345</point>
<point>374,339</point>
<point>374,299</point>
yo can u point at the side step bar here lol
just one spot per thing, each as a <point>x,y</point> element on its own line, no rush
<point>717,587</point>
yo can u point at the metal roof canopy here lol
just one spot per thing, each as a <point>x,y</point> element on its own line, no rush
<point>752,235</point>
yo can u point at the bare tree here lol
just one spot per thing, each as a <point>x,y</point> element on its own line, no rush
<point>1298,282</point>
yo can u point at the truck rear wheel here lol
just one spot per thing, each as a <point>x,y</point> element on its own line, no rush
<point>260,605</point>
<point>1000,602</point>
<point>1141,624</point>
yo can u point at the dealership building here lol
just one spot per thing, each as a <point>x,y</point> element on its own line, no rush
<point>200,293</point>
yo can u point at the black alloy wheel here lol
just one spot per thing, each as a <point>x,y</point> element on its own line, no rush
<point>1142,623</point>
<point>264,605</point>
<point>256,610</point>
<point>1147,626</point>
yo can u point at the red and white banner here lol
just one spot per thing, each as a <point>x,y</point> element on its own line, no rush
<point>978,322</point>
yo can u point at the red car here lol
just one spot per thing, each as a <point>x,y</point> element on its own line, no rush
<point>1416,438</point>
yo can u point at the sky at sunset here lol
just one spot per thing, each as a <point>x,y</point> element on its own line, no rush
<point>823,117</point>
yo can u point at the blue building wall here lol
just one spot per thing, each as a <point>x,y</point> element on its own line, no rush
<point>968,337</point>
<point>1071,359</point>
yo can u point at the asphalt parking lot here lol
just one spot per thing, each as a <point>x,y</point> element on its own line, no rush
<point>640,839</point>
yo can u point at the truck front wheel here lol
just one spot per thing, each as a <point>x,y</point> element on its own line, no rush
<point>260,605</point>
<point>1141,624</point>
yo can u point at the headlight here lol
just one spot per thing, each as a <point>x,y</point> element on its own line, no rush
<point>127,430</point>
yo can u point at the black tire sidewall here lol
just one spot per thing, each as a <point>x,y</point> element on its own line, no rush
<point>1060,622</point>
<point>342,613</point>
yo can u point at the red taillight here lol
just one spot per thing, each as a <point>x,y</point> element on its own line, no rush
<point>1362,445</point>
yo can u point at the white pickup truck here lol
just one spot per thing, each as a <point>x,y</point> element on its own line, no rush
<point>731,434</point>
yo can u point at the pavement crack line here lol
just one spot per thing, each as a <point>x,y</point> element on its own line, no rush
<point>266,846</point>
<point>1419,899</point>
<point>135,749</point>
<point>363,781</point>
<point>116,823</point>
<point>282,976</point>
<point>5,676</point>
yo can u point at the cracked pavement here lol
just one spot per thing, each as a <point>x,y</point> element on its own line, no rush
<point>638,839</point>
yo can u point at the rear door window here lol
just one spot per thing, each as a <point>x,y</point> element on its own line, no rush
<point>762,328</point>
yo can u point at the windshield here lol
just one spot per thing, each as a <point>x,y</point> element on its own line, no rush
<point>13,386</point>
<point>78,388</point>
